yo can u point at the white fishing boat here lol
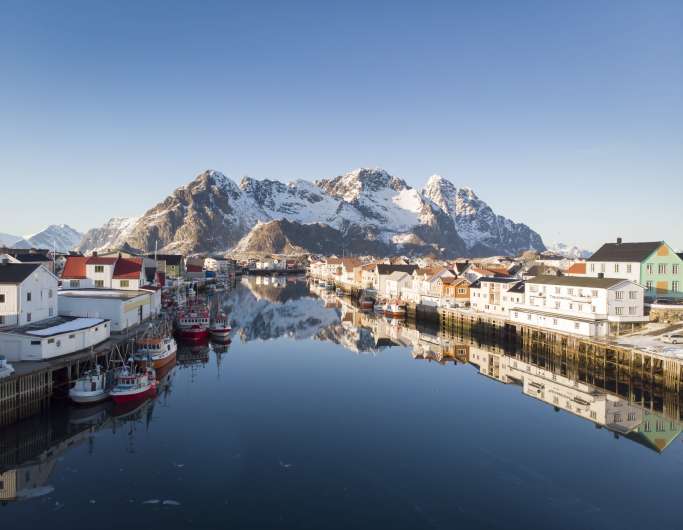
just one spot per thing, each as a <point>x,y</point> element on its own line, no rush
<point>219,328</point>
<point>160,351</point>
<point>6,369</point>
<point>91,387</point>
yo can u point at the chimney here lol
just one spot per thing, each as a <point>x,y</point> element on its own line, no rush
<point>618,241</point>
<point>601,274</point>
<point>94,253</point>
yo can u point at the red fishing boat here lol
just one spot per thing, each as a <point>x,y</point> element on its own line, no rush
<point>133,385</point>
<point>192,323</point>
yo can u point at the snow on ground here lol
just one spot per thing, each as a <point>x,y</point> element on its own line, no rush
<point>71,325</point>
<point>651,344</point>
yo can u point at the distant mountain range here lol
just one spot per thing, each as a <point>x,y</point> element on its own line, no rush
<point>62,237</point>
<point>569,251</point>
<point>366,211</point>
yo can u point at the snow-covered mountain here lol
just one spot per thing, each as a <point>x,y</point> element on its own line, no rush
<point>484,232</point>
<point>569,251</point>
<point>113,233</point>
<point>363,211</point>
<point>62,237</point>
<point>7,240</point>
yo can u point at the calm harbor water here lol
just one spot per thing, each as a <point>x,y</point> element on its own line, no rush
<point>317,416</point>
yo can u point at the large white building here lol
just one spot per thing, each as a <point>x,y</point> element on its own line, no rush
<point>103,272</point>
<point>53,337</point>
<point>581,305</point>
<point>124,308</point>
<point>28,293</point>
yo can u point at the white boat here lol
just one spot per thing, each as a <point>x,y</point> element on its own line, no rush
<point>160,351</point>
<point>91,387</point>
<point>6,369</point>
<point>132,385</point>
<point>219,328</point>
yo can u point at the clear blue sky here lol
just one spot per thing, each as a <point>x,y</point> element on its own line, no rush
<point>565,115</point>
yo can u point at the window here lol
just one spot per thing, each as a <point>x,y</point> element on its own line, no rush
<point>516,314</point>
<point>554,322</point>
<point>570,291</point>
<point>576,325</point>
<point>2,298</point>
<point>571,306</point>
<point>618,310</point>
<point>28,317</point>
<point>633,295</point>
<point>674,269</point>
<point>648,285</point>
<point>592,267</point>
<point>99,283</point>
<point>661,268</point>
<point>619,295</point>
<point>557,290</point>
<point>35,343</point>
<point>51,311</point>
<point>594,292</point>
<point>649,268</point>
<point>594,414</point>
<point>28,296</point>
<point>74,283</point>
<point>628,268</point>
<point>49,293</point>
<point>557,305</point>
<point>123,283</point>
<point>99,268</point>
<point>616,267</point>
<point>674,286</point>
<point>593,309</point>
<point>50,341</point>
<point>72,336</point>
<point>632,310</point>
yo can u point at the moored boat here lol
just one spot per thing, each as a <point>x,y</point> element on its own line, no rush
<point>193,323</point>
<point>219,327</point>
<point>6,369</point>
<point>133,385</point>
<point>91,387</point>
<point>366,304</point>
<point>160,351</point>
<point>395,309</point>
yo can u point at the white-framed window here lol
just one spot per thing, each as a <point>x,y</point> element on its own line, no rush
<point>649,268</point>
<point>99,268</point>
<point>28,317</point>
<point>674,268</point>
<point>577,325</point>
<point>618,310</point>
<point>619,295</point>
<point>633,295</point>
<point>632,310</point>
<point>592,267</point>
<point>2,298</point>
<point>99,283</point>
<point>74,283</point>
<point>628,268</point>
<point>28,296</point>
<point>616,267</point>
<point>661,268</point>
<point>648,285</point>
<point>570,291</point>
<point>124,283</point>
<point>675,286</point>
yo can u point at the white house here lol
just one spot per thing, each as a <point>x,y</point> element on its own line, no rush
<point>496,295</point>
<point>581,305</point>
<point>395,283</point>
<point>28,293</point>
<point>103,272</point>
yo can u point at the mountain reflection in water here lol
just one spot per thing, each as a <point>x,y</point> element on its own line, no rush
<point>230,402</point>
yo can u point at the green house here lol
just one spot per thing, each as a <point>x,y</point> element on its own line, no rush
<point>654,265</point>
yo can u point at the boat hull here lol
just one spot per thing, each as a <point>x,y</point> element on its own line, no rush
<point>196,335</point>
<point>128,397</point>
<point>87,398</point>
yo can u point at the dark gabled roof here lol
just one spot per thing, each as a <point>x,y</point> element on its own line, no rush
<point>519,288</point>
<point>31,257</point>
<point>496,279</point>
<point>625,251</point>
<point>170,259</point>
<point>14,273</point>
<point>679,254</point>
<point>384,268</point>
<point>576,281</point>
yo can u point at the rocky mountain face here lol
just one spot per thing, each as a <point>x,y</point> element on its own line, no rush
<point>113,233</point>
<point>366,211</point>
<point>484,232</point>
<point>569,251</point>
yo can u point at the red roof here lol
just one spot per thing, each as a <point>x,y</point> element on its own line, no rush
<point>74,268</point>
<point>577,268</point>
<point>128,269</point>
<point>98,260</point>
